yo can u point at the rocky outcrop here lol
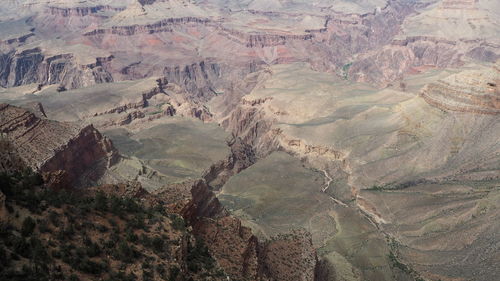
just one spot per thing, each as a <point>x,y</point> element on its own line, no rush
<point>403,56</point>
<point>349,34</point>
<point>251,125</point>
<point>239,252</point>
<point>198,79</point>
<point>241,157</point>
<point>17,40</point>
<point>81,11</point>
<point>151,100</point>
<point>142,100</point>
<point>468,91</point>
<point>290,257</point>
<point>9,160</point>
<point>33,66</point>
<point>48,146</point>
<point>396,60</point>
<point>264,40</point>
<point>157,27</point>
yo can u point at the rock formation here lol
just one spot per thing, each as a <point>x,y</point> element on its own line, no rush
<point>239,252</point>
<point>475,91</point>
<point>48,146</point>
<point>387,108</point>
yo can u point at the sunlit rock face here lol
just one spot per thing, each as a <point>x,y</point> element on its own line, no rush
<point>301,140</point>
<point>49,146</point>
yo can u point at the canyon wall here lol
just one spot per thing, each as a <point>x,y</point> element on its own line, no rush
<point>48,146</point>
<point>33,66</point>
<point>239,252</point>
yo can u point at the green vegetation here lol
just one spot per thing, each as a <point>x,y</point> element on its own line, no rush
<point>77,235</point>
<point>198,257</point>
<point>178,222</point>
<point>376,187</point>
<point>399,186</point>
<point>345,70</point>
<point>395,263</point>
<point>28,226</point>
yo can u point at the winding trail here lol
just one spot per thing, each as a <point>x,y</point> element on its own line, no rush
<point>327,185</point>
<point>328,181</point>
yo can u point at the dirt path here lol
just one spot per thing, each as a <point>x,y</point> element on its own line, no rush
<point>327,185</point>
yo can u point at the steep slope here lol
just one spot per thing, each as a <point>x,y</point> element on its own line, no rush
<point>440,34</point>
<point>48,146</point>
<point>468,91</point>
<point>385,111</point>
<point>239,252</point>
<point>113,232</point>
<point>362,138</point>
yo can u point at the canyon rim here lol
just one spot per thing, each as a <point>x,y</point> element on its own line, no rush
<point>277,140</point>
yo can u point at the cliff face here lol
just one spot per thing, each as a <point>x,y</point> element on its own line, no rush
<point>241,157</point>
<point>263,40</point>
<point>157,27</point>
<point>469,91</point>
<point>81,11</point>
<point>198,79</point>
<point>48,146</point>
<point>405,56</point>
<point>157,247</point>
<point>197,49</point>
<point>440,34</point>
<point>146,101</point>
<point>239,252</point>
<point>33,66</point>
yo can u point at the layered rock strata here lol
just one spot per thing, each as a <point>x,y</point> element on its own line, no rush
<point>475,91</point>
<point>48,146</point>
<point>239,252</point>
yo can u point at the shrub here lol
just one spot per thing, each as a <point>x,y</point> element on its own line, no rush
<point>93,250</point>
<point>158,244</point>
<point>137,222</point>
<point>28,226</point>
<point>101,202</point>
<point>131,236</point>
<point>54,218</point>
<point>21,246</point>
<point>91,267</point>
<point>101,228</point>
<point>178,222</point>
<point>146,241</point>
<point>174,272</point>
<point>198,257</point>
<point>56,254</point>
<point>43,226</point>
<point>125,253</point>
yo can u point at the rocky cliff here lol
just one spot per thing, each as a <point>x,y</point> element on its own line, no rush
<point>198,79</point>
<point>81,11</point>
<point>124,234</point>
<point>475,91</point>
<point>34,66</point>
<point>402,57</point>
<point>48,146</point>
<point>157,27</point>
<point>239,252</point>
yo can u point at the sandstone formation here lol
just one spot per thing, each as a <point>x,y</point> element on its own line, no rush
<point>334,140</point>
<point>111,239</point>
<point>277,116</point>
<point>48,146</point>
<point>239,252</point>
<point>469,91</point>
<point>33,66</point>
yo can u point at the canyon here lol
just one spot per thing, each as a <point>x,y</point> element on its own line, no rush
<point>299,140</point>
